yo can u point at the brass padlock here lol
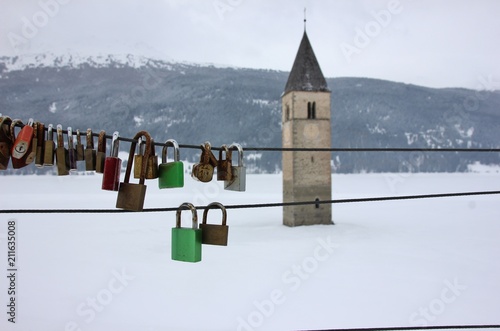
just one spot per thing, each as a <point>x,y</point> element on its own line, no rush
<point>204,170</point>
<point>224,164</point>
<point>131,196</point>
<point>90,153</point>
<point>22,149</point>
<point>40,137</point>
<point>152,170</point>
<point>61,154</point>
<point>112,166</point>
<point>5,142</point>
<point>80,153</point>
<point>71,151</point>
<point>101,152</point>
<point>48,153</point>
<point>214,234</point>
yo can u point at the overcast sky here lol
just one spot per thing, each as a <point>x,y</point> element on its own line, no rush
<point>437,43</point>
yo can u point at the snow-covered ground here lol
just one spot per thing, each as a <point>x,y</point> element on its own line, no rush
<point>397,263</point>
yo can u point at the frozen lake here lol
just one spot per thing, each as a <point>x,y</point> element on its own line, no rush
<point>394,263</point>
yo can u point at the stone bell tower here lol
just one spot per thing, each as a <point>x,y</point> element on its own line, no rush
<point>306,123</point>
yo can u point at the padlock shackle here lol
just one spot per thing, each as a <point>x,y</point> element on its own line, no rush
<point>130,161</point>
<point>90,139</point>
<point>115,144</point>
<point>40,133</point>
<point>207,157</point>
<point>175,145</point>
<point>186,206</point>
<point>215,205</point>
<point>78,137</point>
<point>6,120</point>
<point>240,153</point>
<point>50,133</point>
<point>13,127</point>
<point>224,148</point>
<point>152,152</point>
<point>70,138</point>
<point>60,137</point>
<point>5,132</point>
<point>101,142</point>
<point>140,147</point>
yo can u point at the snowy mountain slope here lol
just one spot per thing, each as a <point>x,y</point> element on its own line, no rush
<point>80,61</point>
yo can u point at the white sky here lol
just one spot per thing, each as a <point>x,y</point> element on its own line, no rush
<point>437,43</point>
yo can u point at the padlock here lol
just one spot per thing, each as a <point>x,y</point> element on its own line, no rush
<point>5,142</point>
<point>80,153</point>
<point>224,164</point>
<point>101,152</point>
<point>90,153</point>
<point>138,158</point>
<point>152,166</point>
<point>34,143</point>
<point>40,150</point>
<point>170,174</point>
<point>214,234</point>
<point>22,149</point>
<point>238,180</point>
<point>61,154</point>
<point>48,153</point>
<point>204,170</point>
<point>71,151</point>
<point>112,167</point>
<point>186,242</point>
<point>152,169</point>
<point>131,196</point>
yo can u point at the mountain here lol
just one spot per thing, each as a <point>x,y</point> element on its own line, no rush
<point>193,103</point>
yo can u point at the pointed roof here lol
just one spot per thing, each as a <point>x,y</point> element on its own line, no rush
<point>306,74</point>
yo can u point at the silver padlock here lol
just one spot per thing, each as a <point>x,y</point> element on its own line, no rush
<point>239,173</point>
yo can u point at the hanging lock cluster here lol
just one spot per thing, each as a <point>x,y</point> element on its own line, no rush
<point>187,242</point>
<point>35,142</point>
<point>233,176</point>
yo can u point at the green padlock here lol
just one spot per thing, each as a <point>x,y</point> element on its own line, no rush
<point>186,242</point>
<point>170,174</point>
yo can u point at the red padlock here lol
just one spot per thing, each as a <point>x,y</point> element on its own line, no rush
<point>112,167</point>
<point>22,150</point>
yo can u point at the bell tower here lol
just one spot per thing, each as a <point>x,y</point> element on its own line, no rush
<point>306,124</point>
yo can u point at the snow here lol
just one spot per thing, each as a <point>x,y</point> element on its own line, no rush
<point>76,60</point>
<point>53,108</point>
<point>138,120</point>
<point>399,263</point>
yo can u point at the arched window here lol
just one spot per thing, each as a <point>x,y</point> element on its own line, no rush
<point>287,113</point>
<point>316,204</point>
<point>311,110</point>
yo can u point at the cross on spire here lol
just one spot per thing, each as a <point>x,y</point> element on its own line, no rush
<point>305,19</point>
